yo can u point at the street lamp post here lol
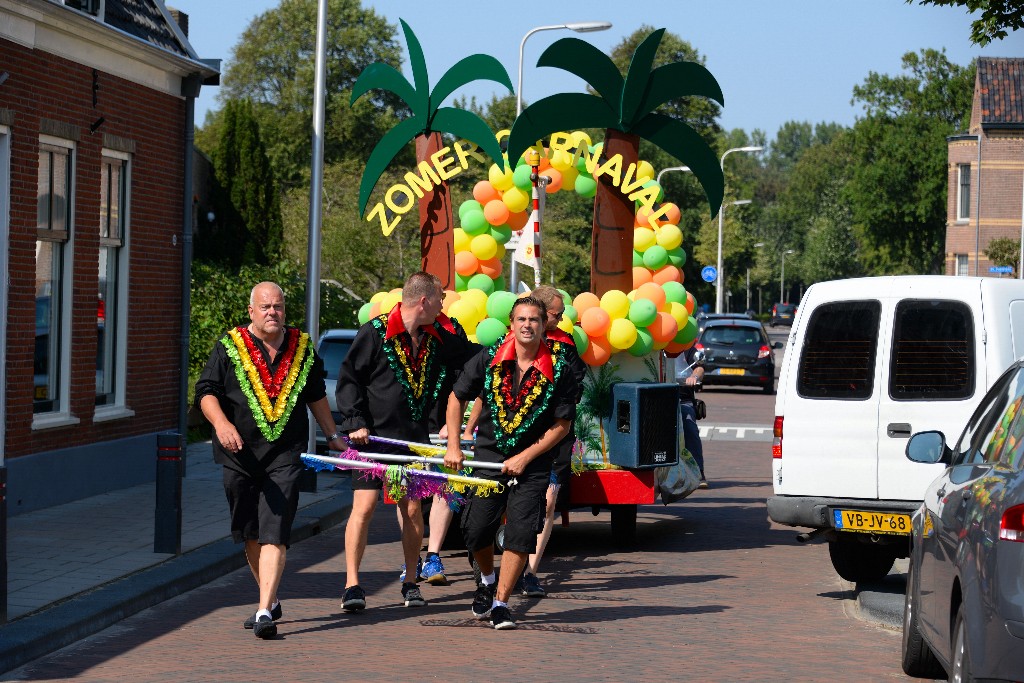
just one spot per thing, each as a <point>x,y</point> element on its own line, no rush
<point>684,169</point>
<point>782,278</point>
<point>718,282</point>
<point>758,245</point>
<point>578,27</point>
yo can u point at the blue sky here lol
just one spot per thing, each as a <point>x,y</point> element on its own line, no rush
<point>775,61</point>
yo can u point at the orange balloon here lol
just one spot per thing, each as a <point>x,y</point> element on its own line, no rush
<point>664,328</point>
<point>641,276</point>
<point>668,274</point>
<point>674,349</point>
<point>653,292</point>
<point>545,162</point>
<point>595,321</point>
<point>375,309</point>
<point>491,267</point>
<point>672,214</point>
<point>450,296</point>
<point>690,304</point>
<point>517,221</point>
<point>484,192</point>
<point>598,352</point>
<point>643,215</point>
<point>585,300</point>
<point>466,263</point>
<point>496,212</point>
<point>554,180</point>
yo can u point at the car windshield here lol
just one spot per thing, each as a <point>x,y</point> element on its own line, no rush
<point>784,309</point>
<point>333,351</point>
<point>731,335</point>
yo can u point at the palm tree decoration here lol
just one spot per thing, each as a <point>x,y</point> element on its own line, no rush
<point>428,121</point>
<point>625,107</point>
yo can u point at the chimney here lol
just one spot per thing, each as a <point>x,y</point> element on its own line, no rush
<point>180,18</point>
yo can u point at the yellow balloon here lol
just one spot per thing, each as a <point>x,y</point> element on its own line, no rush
<point>565,325</point>
<point>658,346</point>
<point>670,236</point>
<point>632,295</point>
<point>644,239</point>
<point>501,180</point>
<point>515,199</point>
<point>678,311</point>
<point>484,247</point>
<point>377,297</point>
<point>569,176</point>
<point>500,253</point>
<point>462,240</point>
<point>389,301</point>
<point>644,170</point>
<point>561,160</point>
<point>622,334</point>
<point>465,311</point>
<point>615,303</point>
<point>450,297</point>
<point>477,300</point>
<point>578,137</point>
<point>472,338</point>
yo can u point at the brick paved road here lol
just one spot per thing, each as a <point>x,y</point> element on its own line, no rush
<point>710,592</point>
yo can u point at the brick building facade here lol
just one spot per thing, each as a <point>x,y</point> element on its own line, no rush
<point>986,169</point>
<point>95,123</point>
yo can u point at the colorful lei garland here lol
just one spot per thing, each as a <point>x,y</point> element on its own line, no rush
<point>251,369</point>
<point>420,377</point>
<point>515,414</point>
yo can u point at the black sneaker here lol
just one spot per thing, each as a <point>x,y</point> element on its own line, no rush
<point>501,618</point>
<point>275,613</point>
<point>354,599</point>
<point>264,628</point>
<point>412,595</point>
<point>483,598</point>
<point>532,587</point>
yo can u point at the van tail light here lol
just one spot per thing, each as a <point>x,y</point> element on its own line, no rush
<point>699,346</point>
<point>777,439</point>
<point>1011,527</point>
<point>763,352</point>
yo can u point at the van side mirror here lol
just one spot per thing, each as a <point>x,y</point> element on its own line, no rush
<point>928,448</point>
<point>777,345</point>
<point>698,358</point>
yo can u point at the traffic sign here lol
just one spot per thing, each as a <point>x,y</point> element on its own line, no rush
<point>1000,269</point>
<point>709,273</point>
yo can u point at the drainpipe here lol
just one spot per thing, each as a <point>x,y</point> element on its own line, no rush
<point>190,91</point>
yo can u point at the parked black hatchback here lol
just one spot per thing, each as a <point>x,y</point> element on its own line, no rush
<point>738,353</point>
<point>782,314</point>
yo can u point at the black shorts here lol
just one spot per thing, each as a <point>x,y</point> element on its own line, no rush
<point>263,507</point>
<point>523,506</point>
<point>561,466</point>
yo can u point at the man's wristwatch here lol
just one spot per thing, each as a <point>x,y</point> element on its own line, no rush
<point>333,436</point>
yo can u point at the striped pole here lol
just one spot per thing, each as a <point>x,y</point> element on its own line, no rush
<point>535,177</point>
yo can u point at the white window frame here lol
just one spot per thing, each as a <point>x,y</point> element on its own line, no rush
<point>100,12</point>
<point>963,213</point>
<point>62,416</point>
<point>118,409</point>
<point>5,237</point>
<point>962,265</point>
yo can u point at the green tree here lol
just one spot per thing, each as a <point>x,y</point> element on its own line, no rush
<point>248,224</point>
<point>499,113</point>
<point>1004,251</point>
<point>830,248</point>
<point>897,190</point>
<point>996,17</point>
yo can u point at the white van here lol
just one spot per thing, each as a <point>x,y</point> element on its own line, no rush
<point>869,362</point>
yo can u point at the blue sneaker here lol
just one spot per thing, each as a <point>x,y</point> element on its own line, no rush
<point>433,571</point>
<point>419,571</point>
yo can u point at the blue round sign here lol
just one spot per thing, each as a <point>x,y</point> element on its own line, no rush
<point>709,273</point>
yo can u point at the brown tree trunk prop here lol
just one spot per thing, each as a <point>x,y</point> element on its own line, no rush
<point>437,239</point>
<point>611,255</point>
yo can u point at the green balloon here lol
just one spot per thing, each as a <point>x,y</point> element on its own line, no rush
<point>581,339</point>
<point>586,186</point>
<point>499,283</point>
<point>687,333</point>
<point>677,257</point>
<point>364,312</point>
<point>481,282</point>
<point>469,205</point>
<point>499,304</point>
<point>566,299</point>
<point>521,177</point>
<point>655,257</point>
<point>581,165</point>
<point>490,331</point>
<point>461,283</point>
<point>674,291</point>
<point>642,312</point>
<point>474,223</point>
<point>643,344</point>
<point>654,183</point>
<point>570,311</point>
<point>638,259</point>
<point>501,233</point>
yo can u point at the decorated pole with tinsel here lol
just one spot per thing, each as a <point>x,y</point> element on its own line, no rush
<point>408,459</point>
<point>417,448</point>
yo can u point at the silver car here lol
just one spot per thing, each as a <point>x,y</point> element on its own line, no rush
<point>964,606</point>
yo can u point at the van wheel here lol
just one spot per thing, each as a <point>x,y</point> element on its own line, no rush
<point>857,562</point>
<point>918,659</point>
<point>623,524</point>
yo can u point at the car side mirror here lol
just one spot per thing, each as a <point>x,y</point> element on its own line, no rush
<point>777,345</point>
<point>928,448</point>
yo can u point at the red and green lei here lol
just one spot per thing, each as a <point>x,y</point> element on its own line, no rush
<point>514,414</point>
<point>420,376</point>
<point>256,382</point>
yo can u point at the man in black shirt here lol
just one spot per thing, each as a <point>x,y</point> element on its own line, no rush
<point>529,402</point>
<point>254,391</point>
<point>388,383</point>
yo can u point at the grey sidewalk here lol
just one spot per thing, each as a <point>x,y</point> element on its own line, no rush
<point>76,568</point>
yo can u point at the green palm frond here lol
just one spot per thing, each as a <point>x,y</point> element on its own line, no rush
<point>419,69</point>
<point>381,76</point>
<point>472,68</point>
<point>683,142</point>
<point>467,125</point>
<point>586,61</point>
<point>566,111</point>
<point>638,76</point>
<point>679,79</point>
<point>384,153</point>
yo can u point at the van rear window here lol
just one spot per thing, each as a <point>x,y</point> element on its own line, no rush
<point>932,351</point>
<point>838,357</point>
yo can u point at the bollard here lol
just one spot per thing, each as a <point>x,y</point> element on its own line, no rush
<point>3,545</point>
<point>167,527</point>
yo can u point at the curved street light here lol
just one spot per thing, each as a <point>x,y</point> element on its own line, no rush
<point>782,277</point>
<point>684,169</point>
<point>718,282</point>
<point>578,27</point>
<point>757,245</point>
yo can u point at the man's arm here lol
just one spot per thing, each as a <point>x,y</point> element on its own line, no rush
<point>353,376</point>
<point>227,436</point>
<point>322,414</point>
<point>453,422</point>
<point>555,433</point>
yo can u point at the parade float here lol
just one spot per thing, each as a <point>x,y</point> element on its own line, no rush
<point>637,316</point>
